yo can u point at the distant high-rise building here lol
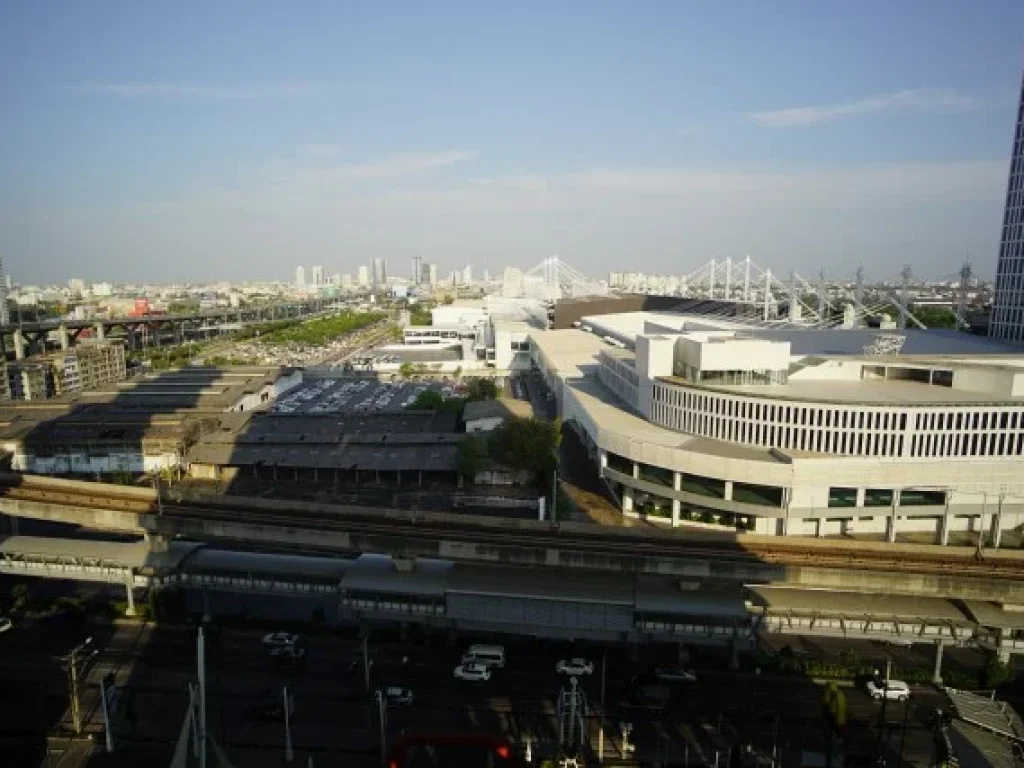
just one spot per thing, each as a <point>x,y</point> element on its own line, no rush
<point>467,274</point>
<point>102,289</point>
<point>380,273</point>
<point>1007,320</point>
<point>300,277</point>
<point>346,282</point>
<point>76,285</point>
<point>363,276</point>
<point>336,279</point>
<point>318,277</point>
<point>431,275</point>
<point>417,269</point>
<point>5,313</point>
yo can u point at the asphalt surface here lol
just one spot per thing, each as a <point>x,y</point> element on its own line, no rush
<point>335,723</point>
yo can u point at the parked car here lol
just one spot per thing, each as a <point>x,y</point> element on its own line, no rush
<point>271,709</point>
<point>654,697</point>
<point>398,695</point>
<point>675,675</point>
<point>575,667</point>
<point>279,639</point>
<point>287,655</point>
<point>472,672</point>
<point>893,690</point>
<point>6,624</point>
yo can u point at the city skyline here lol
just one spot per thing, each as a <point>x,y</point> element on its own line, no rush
<point>796,139</point>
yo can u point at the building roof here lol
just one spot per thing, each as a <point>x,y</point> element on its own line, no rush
<point>378,573</point>
<point>569,353</point>
<point>994,615</point>
<point>670,599</point>
<point>781,600</point>
<point>502,408</point>
<point>329,569</point>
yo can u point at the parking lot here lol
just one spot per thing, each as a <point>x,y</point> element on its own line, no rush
<point>356,396</point>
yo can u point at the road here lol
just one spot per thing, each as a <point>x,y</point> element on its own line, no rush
<point>334,722</point>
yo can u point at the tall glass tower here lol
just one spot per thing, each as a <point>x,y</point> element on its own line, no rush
<point>1007,320</point>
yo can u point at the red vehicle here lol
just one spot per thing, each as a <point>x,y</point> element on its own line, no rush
<point>426,749</point>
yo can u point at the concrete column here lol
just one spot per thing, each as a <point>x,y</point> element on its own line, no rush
<point>19,344</point>
<point>677,508</point>
<point>728,490</point>
<point>604,459</point>
<point>101,332</point>
<point>860,497</point>
<point>734,653</point>
<point>627,499</point>
<point>677,481</point>
<point>944,528</point>
<point>636,470</point>
<point>890,529</point>
<point>65,339</point>
<point>997,526</point>
<point>937,671</point>
<point>130,611</point>
<point>207,615</point>
<point>819,527</point>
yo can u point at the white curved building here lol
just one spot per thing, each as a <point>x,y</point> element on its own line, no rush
<point>796,431</point>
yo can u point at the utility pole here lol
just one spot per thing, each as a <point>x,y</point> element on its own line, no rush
<point>73,662</point>
<point>366,659</point>
<point>554,495</point>
<point>600,733</point>
<point>382,716</point>
<point>201,656</point>
<point>904,297</point>
<point>289,755</point>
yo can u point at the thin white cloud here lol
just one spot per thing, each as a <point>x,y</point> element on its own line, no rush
<point>390,167</point>
<point>918,98</point>
<point>205,91</point>
<point>318,150</point>
<point>616,191</point>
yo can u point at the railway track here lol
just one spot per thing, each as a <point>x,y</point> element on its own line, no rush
<point>412,526</point>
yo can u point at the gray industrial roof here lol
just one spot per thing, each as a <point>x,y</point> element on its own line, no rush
<point>378,573</point>
<point>500,408</point>
<point>780,600</point>
<point>662,598</point>
<point>994,615</point>
<point>133,554</point>
<point>543,584</point>
<point>851,341</point>
<point>382,457</point>
<point>324,568</point>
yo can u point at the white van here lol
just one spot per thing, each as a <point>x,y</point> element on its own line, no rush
<point>488,655</point>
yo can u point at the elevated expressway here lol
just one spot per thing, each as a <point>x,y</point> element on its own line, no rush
<point>697,556</point>
<point>656,585</point>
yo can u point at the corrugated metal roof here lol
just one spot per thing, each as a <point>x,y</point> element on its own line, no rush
<point>665,598</point>
<point>378,573</point>
<point>779,600</point>
<point>208,560</point>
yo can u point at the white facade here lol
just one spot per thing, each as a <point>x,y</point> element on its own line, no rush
<point>739,431</point>
<point>300,277</point>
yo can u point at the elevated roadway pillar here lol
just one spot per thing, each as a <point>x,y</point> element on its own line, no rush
<point>19,344</point>
<point>937,671</point>
<point>130,591</point>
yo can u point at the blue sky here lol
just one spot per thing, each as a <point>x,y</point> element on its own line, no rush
<point>231,140</point>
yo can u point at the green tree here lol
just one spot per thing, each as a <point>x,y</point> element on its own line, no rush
<point>997,673</point>
<point>528,444</point>
<point>448,300</point>
<point>935,317</point>
<point>481,389</point>
<point>473,456</point>
<point>405,370</point>
<point>427,401</point>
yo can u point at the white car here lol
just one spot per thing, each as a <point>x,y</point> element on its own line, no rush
<point>398,695</point>
<point>6,624</point>
<point>472,672</point>
<point>675,675</point>
<point>893,690</point>
<point>279,639</point>
<point>575,667</point>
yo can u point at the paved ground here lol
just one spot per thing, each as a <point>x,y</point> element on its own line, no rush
<point>334,723</point>
<point>353,396</point>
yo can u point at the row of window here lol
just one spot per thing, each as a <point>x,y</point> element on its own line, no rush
<point>844,431</point>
